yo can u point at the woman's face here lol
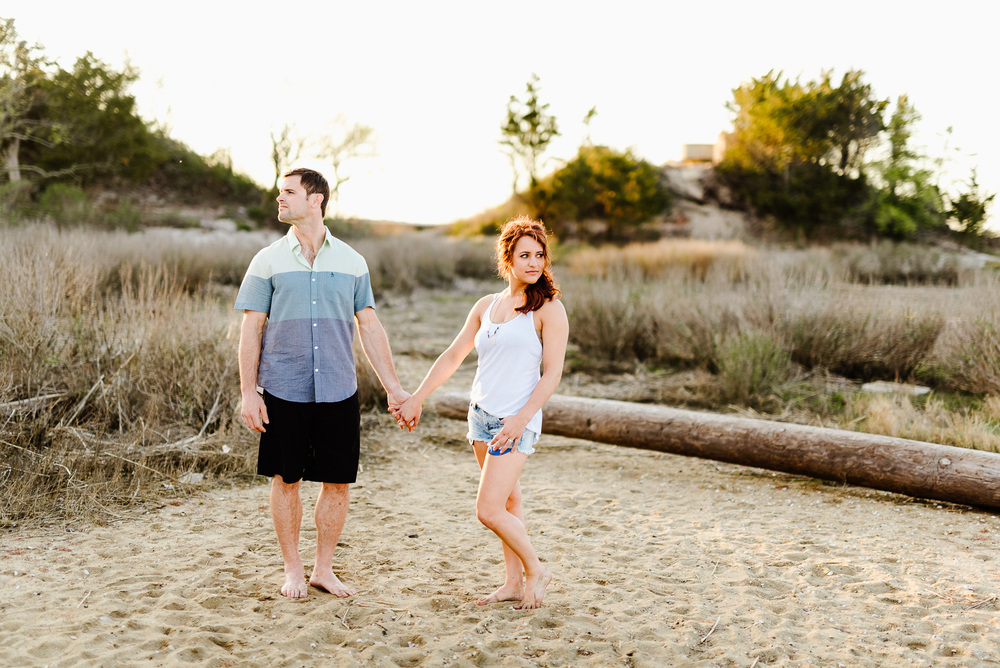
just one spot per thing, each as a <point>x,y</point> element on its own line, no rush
<point>528,260</point>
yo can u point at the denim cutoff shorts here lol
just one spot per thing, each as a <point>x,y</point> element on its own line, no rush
<point>483,427</point>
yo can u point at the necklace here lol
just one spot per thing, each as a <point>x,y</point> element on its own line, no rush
<point>491,333</point>
<point>494,327</point>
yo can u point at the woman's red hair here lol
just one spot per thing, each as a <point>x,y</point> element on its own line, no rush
<point>545,288</point>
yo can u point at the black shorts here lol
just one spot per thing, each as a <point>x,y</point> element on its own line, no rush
<point>311,441</point>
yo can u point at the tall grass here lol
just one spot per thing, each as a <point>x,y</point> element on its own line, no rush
<point>402,262</point>
<point>803,303</point>
<point>118,352</point>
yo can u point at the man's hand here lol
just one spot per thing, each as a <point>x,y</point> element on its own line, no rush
<point>408,415</point>
<point>253,411</point>
<point>396,400</point>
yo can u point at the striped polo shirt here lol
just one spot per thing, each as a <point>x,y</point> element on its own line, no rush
<point>307,353</point>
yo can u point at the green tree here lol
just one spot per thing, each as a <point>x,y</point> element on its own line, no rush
<point>854,119</point>
<point>526,133</point>
<point>600,183</point>
<point>968,212</point>
<point>21,70</point>
<point>95,131</point>
<point>797,150</point>
<point>907,202</point>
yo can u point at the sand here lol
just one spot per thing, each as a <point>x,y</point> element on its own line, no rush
<point>659,560</point>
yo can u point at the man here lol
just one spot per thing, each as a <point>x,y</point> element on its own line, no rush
<point>301,297</point>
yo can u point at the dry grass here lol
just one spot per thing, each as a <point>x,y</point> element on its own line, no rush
<point>118,369</point>
<point>897,415</point>
<point>688,257</point>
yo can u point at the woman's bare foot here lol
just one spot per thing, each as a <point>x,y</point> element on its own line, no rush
<point>329,582</point>
<point>534,590</point>
<point>295,586</point>
<point>507,592</point>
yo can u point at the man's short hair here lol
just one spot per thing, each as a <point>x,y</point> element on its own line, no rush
<point>313,182</point>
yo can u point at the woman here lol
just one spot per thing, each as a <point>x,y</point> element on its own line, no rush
<point>513,332</point>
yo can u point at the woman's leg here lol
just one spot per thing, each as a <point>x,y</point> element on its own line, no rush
<point>513,585</point>
<point>496,484</point>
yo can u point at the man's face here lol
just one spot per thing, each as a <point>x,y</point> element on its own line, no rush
<point>293,203</point>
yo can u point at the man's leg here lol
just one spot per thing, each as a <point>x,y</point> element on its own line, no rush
<point>286,511</point>
<point>331,512</point>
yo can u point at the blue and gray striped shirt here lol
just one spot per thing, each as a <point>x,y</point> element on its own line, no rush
<point>307,353</point>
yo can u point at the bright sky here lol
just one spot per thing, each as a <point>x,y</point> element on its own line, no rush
<point>433,77</point>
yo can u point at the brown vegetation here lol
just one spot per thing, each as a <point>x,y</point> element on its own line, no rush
<point>118,364</point>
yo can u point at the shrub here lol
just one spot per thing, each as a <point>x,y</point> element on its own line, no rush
<point>108,391</point>
<point>124,215</point>
<point>864,343</point>
<point>888,262</point>
<point>972,363</point>
<point>752,367</point>
<point>15,200</point>
<point>610,322</point>
<point>603,184</point>
<point>65,205</point>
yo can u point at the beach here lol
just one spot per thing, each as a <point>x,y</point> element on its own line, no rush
<point>659,560</point>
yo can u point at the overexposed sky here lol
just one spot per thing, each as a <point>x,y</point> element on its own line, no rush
<point>433,77</point>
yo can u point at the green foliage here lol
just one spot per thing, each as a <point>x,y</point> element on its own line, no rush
<point>797,150</point>
<point>968,213</point>
<point>907,202</point>
<point>15,200</point>
<point>94,130</point>
<point>806,198</point>
<point>21,68</point>
<point>123,215</point>
<point>603,184</point>
<point>80,127</point>
<point>527,131</point>
<point>65,204</point>
<point>191,178</point>
<point>798,156</point>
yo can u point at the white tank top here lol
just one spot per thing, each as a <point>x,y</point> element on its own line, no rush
<point>510,357</point>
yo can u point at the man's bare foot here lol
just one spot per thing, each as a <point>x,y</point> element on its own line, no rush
<point>295,586</point>
<point>329,582</point>
<point>534,590</point>
<point>508,592</point>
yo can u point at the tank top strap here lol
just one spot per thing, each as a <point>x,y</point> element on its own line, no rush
<point>489,310</point>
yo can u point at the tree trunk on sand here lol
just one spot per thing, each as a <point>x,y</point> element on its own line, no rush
<point>915,468</point>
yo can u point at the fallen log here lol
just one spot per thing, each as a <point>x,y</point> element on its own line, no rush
<point>916,468</point>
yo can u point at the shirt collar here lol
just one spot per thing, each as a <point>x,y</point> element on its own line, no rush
<point>293,241</point>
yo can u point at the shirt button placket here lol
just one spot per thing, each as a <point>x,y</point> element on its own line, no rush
<point>314,314</point>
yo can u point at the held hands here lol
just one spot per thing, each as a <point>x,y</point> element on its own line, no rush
<point>253,411</point>
<point>407,414</point>
<point>408,419</point>
<point>508,437</point>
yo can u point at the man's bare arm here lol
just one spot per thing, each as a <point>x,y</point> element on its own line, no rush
<point>252,408</point>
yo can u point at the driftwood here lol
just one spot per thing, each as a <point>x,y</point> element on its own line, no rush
<point>916,468</point>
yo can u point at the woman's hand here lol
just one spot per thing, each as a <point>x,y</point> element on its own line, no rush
<point>508,437</point>
<point>408,414</point>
